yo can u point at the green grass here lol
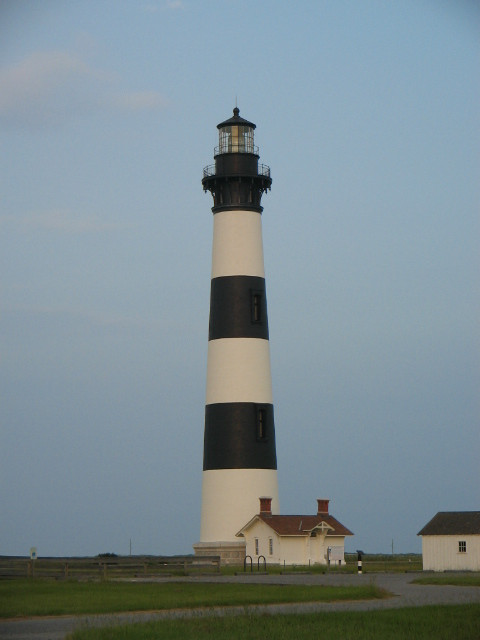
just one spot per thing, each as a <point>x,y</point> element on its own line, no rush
<point>47,597</point>
<point>457,579</point>
<point>422,623</point>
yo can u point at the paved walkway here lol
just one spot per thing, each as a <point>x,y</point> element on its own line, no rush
<point>405,595</point>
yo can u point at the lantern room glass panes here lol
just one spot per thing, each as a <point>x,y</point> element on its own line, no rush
<point>236,139</point>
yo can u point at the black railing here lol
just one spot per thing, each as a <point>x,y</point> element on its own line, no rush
<point>263,170</point>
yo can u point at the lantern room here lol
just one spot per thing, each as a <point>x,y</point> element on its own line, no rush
<point>236,135</point>
<point>236,180</point>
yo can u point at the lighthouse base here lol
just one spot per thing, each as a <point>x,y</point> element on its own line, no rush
<point>231,553</point>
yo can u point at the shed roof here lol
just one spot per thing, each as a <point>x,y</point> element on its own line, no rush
<point>300,525</point>
<point>448,523</point>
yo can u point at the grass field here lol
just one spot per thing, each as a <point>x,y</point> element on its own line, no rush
<point>423,623</point>
<point>456,579</point>
<point>32,597</point>
<point>41,597</point>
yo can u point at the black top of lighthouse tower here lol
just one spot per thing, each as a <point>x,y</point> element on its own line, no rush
<point>236,180</point>
<point>236,119</point>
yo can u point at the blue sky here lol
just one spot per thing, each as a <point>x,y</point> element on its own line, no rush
<point>367,114</point>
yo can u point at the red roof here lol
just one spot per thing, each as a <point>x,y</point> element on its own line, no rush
<point>302,525</point>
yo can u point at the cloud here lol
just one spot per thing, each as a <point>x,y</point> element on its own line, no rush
<point>174,4</point>
<point>93,317</point>
<point>58,220</point>
<point>47,87</point>
<point>53,87</point>
<point>169,5</point>
<point>139,100</point>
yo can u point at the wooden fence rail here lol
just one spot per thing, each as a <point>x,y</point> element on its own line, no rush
<point>106,568</point>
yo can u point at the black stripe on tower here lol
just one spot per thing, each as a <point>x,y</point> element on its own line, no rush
<point>238,308</point>
<point>239,435</point>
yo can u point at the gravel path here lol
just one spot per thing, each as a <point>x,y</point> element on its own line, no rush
<point>405,595</point>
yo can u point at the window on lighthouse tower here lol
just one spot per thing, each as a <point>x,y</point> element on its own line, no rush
<point>261,424</point>
<point>256,306</point>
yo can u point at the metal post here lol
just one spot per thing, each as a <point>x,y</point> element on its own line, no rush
<point>245,564</point>
<point>264,563</point>
<point>359,561</point>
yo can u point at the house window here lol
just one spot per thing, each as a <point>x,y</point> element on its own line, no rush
<point>462,546</point>
<point>256,546</point>
<point>270,546</point>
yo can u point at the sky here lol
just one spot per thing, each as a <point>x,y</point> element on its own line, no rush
<point>368,115</point>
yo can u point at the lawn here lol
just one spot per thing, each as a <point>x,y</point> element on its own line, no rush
<point>457,579</point>
<point>42,597</point>
<point>422,623</point>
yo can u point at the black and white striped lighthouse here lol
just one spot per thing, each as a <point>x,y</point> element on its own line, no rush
<point>239,462</point>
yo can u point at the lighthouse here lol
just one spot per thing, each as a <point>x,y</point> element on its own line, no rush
<point>239,459</point>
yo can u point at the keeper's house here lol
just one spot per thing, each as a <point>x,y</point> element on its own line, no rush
<point>301,540</point>
<point>451,541</point>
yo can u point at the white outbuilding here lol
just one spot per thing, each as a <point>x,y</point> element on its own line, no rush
<point>451,541</point>
<point>295,539</point>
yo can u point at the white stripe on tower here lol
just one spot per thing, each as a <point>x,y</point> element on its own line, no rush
<point>239,448</point>
<point>237,244</point>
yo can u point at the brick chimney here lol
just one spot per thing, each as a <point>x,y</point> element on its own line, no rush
<point>322,506</point>
<point>266,506</point>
